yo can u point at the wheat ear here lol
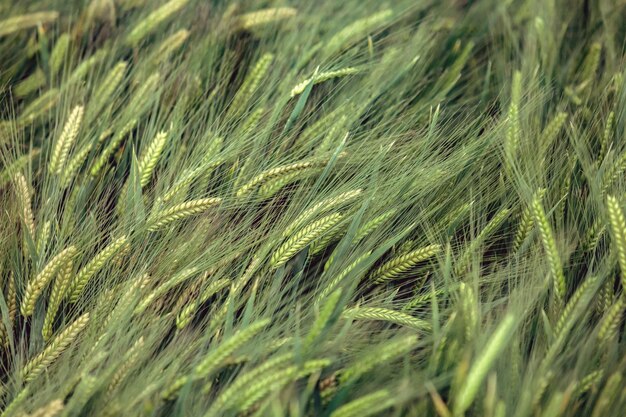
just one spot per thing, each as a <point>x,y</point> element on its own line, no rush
<point>399,265</point>
<point>526,224</point>
<point>188,312</point>
<point>181,211</point>
<point>94,266</point>
<point>274,381</point>
<point>587,382</point>
<point>59,52</point>
<point>366,405</point>
<point>26,21</point>
<point>618,227</point>
<point>61,284</point>
<point>39,106</point>
<point>177,279</point>
<point>63,145</point>
<point>324,205</point>
<point>150,157</point>
<point>549,245</point>
<point>12,407</point>
<point>609,323</point>
<point>107,87</point>
<point>608,394</point>
<point>581,293</point>
<point>323,76</point>
<point>303,238</point>
<point>385,314</point>
<point>153,20</point>
<point>275,173</point>
<point>74,165</point>
<point>216,358</point>
<point>132,356</point>
<point>111,147</point>
<point>23,194</point>
<point>249,85</point>
<point>551,131</point>
<point>85,67</point>
<point>383,353</point>
<point>37,285</point>
<point>341,276</point>
<point>265,16</point>
<point>356,30</point>
<point>483,363</point>
<point>238,339</point>
<point>17,165</point>
<point>608,134</point>
<point>514,128</point>
<point>40,363</point>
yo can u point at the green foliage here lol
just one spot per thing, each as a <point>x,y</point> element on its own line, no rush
<point>296,208</point>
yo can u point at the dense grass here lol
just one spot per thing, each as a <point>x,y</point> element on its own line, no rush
<point>297,208</point>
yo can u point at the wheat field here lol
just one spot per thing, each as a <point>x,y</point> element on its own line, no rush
<point>292,208</point>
